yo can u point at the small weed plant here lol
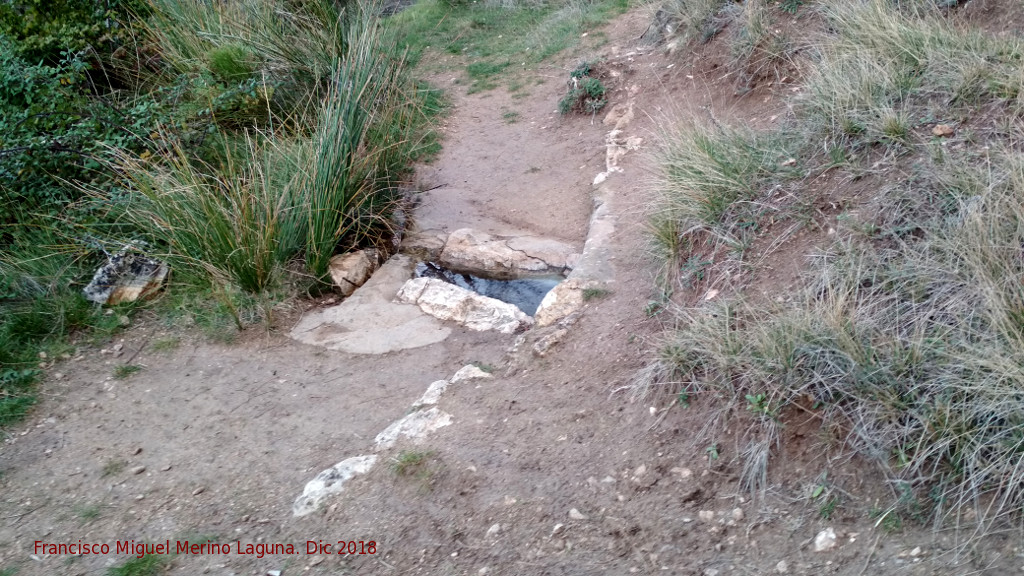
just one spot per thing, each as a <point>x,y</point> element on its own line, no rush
<point>126,370</point>
<point>586,93</point>
<point>416,465</point>
<point>595,293</point>
<point>147,565</point>
<point>112,468</point>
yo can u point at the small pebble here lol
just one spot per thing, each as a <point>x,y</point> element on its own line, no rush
<point>577,515</point>
<point>825,540</point>
<point>682,472</point>
<point>199,491</point>
<point>138,469</point>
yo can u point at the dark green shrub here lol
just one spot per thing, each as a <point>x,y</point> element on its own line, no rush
<point>42,29</point>
<point>54,132</point>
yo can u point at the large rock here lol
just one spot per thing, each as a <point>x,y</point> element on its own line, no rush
<point>126,277</point>
<point>350,271</point>
<point>562,301</point>
<point>424,245</point>
<point>478,252</point>
<point>414,426</point>
<point>331,481</point>
<point>446,301</point>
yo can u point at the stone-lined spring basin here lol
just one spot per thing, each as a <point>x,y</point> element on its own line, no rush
<point>524,293</point>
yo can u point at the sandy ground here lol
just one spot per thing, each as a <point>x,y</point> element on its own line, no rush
<point>546,468</point>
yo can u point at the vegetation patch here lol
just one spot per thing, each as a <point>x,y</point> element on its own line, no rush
<point>245,143</point>
<point>587,94</point>
<point>907,334</point>
<point>417,465</point>
<point>696,20</point>
<point>147,565</point>
<point>494,37</point>
<point>126,370</point>
<point>759,49</point>
<point>87,512</point>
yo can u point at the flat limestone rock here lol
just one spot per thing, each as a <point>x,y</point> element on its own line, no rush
<point>424,245</point>
<point>432,395</point>
<point>369,322</point>
<point>414,426</point>
<point>478,252</point>
<point>331,481</point>
<point>470,372</point>
<point>446,301</point>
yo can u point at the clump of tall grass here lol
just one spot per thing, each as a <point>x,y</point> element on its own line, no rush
<point>350,183</point>
<point>757,48</point>
<point>708,168</point>
<point>711,185</point>
<point>292,42</point>
<point>699,20</point>
<point>915,61</point>
<point>288,194</point>
<point>237,226</point>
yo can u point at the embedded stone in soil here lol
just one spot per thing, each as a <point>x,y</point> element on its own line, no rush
<point>524,293</point>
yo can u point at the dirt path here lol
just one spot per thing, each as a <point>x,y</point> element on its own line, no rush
<point>511,166</point>
<point>543,470</point>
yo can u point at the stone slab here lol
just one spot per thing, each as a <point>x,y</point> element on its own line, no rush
<point>369,322</point>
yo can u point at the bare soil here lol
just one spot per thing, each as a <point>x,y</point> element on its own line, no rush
<point>547,469</point>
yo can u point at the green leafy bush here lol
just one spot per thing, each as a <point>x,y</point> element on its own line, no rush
<point>53,133</point>
<point>43,29</point>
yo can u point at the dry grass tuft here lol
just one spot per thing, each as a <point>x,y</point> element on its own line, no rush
<point>909,334</point>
